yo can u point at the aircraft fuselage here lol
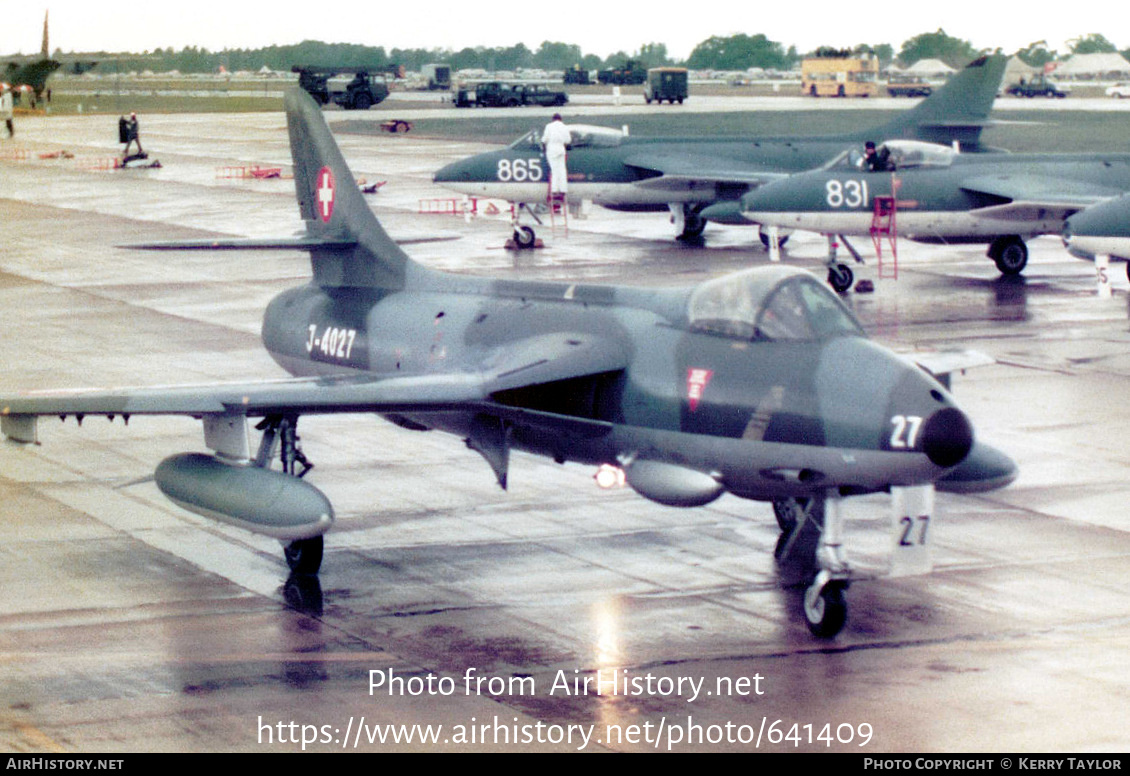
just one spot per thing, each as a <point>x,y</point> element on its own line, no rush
<point>838,413</point>
<point>976,199</point>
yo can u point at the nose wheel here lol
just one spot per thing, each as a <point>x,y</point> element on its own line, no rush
<point>840,277</point>
<point>825,609</point>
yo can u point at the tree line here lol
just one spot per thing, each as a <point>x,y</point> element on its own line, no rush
<point>733,52</point>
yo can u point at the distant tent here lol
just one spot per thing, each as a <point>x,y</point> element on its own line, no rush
<point>929,67</point>
<point>1018,70</point>
<point>1111,65</point>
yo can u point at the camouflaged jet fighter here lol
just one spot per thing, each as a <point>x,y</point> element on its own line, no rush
<point>939,195</point>
<point>759,384</point>
<point>685,175</point>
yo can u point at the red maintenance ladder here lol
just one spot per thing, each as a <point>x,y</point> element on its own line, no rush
<point>884,227</point>
<point>556,202</point>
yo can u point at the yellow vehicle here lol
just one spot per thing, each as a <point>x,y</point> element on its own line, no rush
<point>856,76</point>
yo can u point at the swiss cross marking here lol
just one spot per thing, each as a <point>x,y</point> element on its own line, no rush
<point>325,194</point>
<point>697,380</point>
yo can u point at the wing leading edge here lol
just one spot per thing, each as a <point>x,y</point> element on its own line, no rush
<point>530,362</point>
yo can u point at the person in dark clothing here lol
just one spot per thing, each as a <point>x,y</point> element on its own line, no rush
<point>129,133</point>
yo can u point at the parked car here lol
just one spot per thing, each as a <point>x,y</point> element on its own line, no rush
<point>908,86</point>
<point>1119,90</point>
<point>1037,87</point>
<point>496,94</point>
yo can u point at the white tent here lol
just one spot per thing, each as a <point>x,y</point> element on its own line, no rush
<point>1112,65</point>
<point>1018,69</point>
<point>929,67</point>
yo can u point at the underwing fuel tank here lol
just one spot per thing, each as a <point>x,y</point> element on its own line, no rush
<point>259,500</point>
<point>673,485</point>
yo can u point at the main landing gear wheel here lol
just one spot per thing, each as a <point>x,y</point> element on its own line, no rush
<point>304,556</point>
<point>688,220</point>
<point>825,609</point>
<point>693,228</point>
<point>524,237</point>
<point>840,277</point>
<point>1010,255</point>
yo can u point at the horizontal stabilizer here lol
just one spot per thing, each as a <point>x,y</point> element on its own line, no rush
<point>295,244</point>
<point>252,244</point>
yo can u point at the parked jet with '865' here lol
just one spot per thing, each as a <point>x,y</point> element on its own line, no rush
<point>685,175</point>
<point>759,384</point>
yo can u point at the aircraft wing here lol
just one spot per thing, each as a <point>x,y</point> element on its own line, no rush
<point>532,361</point>
<point>678,172</point>
<point>1035,197</point>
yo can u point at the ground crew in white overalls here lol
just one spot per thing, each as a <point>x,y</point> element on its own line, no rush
<point>6,108</point>
<point>556,140</point>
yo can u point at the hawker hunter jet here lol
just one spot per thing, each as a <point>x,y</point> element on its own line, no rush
<point>685,175</point>
<point>932,193</point>
<point>759,384</point>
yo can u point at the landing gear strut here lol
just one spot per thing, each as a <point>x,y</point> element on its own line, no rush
<point>809,553</point>
<point>303,556</point>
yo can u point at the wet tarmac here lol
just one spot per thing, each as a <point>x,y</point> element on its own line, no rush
<point>131,625</point>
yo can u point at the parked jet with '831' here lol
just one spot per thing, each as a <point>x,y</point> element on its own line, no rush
<point>759,384</point>
<point>935,194</point>
<point>687,174</point>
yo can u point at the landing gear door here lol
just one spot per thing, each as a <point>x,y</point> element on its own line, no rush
<point>912,528</point>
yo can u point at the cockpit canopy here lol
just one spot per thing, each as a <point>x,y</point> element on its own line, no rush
<point>583,136</point>
<point>901,155</point>
<point>769,303</point>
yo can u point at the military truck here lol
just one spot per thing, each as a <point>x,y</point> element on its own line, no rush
<point>632,72</point>
<point>498,94</point>
<point>666,83</point>
<point>325,86</point>
<point>577,75</point>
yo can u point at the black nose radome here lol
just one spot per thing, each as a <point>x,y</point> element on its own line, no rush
<point>947,437</point>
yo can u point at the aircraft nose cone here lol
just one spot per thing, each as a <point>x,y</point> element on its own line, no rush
<point>456,171</point>
<point>984,469</point>
<point>947,437</point>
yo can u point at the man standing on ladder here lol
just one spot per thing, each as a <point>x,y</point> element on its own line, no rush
<point>555,139</point>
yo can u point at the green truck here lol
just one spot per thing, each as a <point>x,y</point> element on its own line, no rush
<point>666,83</point>
<point>359,93</point>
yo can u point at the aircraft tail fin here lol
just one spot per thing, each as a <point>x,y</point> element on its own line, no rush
<point>348,246</point>
<point>959,110</point>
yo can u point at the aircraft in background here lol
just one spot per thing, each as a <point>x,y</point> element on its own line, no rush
<point>30,74</point>
<point>942,196</point>
<point>686,175</point>
<point>759,384</point>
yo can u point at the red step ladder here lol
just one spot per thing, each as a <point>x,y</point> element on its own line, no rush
<point>556,202</point>
<point>884,227</point>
